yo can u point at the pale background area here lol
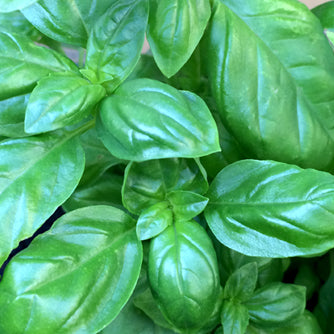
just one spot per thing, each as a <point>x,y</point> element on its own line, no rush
<point>313,3</point>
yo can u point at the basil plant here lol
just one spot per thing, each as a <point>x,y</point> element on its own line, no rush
<point>196,179</point>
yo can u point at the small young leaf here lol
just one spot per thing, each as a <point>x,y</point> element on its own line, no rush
<point>241,284</point>
<point>147,183</point>
<point>186,204</point>
<point>115,43</point>
<point>175,28</point>
<point>276,303</point>
<point>234,318</point>
<point>69,279</point>
<point>154,220</point>
<point>21,58</point>
<point>146,119</point>
<point>272,209</point>
<point>37,175</point>
<point>7,6</point>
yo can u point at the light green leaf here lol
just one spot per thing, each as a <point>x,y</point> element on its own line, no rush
<point>37,174</point>
<point>234,317</point>
<point>7,6</point>
<point>22,64</point>
<point>59,100</point>
<point>146,119</point>
<point>272,209</point>
<point>276,303</point>
<point>285,91</point>
<point>115,43</point>
<point>154,220</point>
<point>75,277</point>
<point>147,183</point>
<point>175,28</point>
<point>186,204</point>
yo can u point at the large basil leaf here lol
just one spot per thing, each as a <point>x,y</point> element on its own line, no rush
<point>147,183</point>
<point>183,275</point>
<point>12,114</point>
<point>59,100</point>
<point>325,13</point>
<point>74,278</point>
<point>234,318</point>
<point>22,64</point>
<point>146,119</point>
<point>67,21</point>
<point>272,209</point>
<point>7,6</point>
<point>174,30</point>
<point>287,88</point>
<point>37,175</point>
<point>276,303</point>
<point>115,43</point>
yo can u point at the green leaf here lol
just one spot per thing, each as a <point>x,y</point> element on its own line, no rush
<point>69,279</point>
<point>146,119</point>
<point>115,43</point>
<point>287,88</point>
<point>325,13</point>
<point>175,28</point>
<point>276,303</point>
<point>186,204</point>
<point>66,21</point>
<point>147,183</point>
<point>7,6</point>
<point>37,175</point>
<point>234,318</point>
<point>12,113</point>
<point>272,209</point>
<point>59,100</point>
<point>22,64</point>
<point>104,191</point>
<point>183,275</point>
<point>242,283</point>
<point>307,276</point>
<point>154,220</point>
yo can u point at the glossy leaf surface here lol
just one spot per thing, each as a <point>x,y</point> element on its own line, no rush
<point>37,175</point>
<point>12,113</point>
<point>186,204</point>
<point>154,220</point>
<point>147,183</point>
<point>276,303</point>
<point>287,89</point>
<point>272,209</point>
<point>59,100</point>
<point>234,318</point>
<point>74,278</point>
<point>115,43</point>
<point>175,28</point>
<point>183,275</point>
<point>146,119</point>
<point>7,6</point>
<point>67,21</point>
<point>22,64</point>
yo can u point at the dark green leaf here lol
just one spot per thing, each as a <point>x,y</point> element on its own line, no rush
<point>286,90</point>
<point>37,175</point>
<point>242,283</point>
<point>67,21</point>
<point>272,209</point>
<point>234,318</point>
<point>115,43</point>
<point>74,278</point>
<point>183,275</point>
<point>22,64</point>
<point>308,277</point>
<point>148,183</point>
<point>325,13</point>
<point>186,204</point>
<point>12,113</point>
<point>146,119</point>
<point>7,6</point>
<point>175,28</point>
<point>154,220</point>
<point>59,100</point>
<point>276,303</point>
